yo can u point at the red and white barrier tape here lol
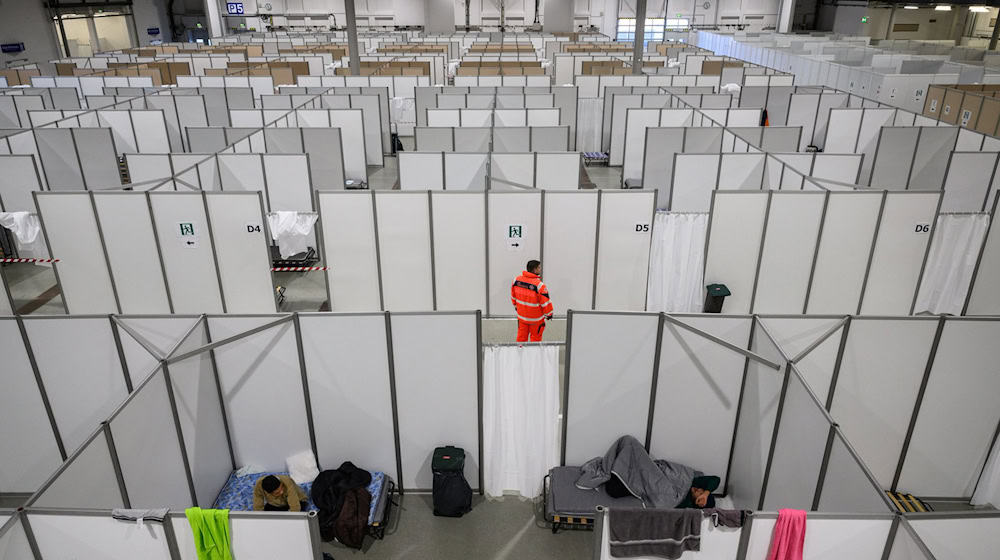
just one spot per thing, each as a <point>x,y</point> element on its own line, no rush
<point>29,260</point>
<point>298,268</point>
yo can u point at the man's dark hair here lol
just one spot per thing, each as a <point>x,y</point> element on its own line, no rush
<point>532,265</point>
<point>270,483</point>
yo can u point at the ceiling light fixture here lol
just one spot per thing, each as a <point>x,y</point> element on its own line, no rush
<point>910,7</point>
<point>979,9</point>
<point>942,8</point>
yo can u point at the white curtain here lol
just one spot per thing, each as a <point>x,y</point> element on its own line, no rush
<point>988,490</point>
<point>676,263</point>
<point>951,262</point>
<point>520,417</point>
<point>589,118</point>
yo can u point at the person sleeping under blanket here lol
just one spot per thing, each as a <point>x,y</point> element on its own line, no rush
<point>628,470</point>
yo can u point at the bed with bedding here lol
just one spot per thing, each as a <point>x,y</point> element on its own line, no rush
<point>237,495</point>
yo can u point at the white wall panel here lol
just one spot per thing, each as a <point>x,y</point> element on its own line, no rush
<point>289,187</point>
<point>465,171</point>
<point>20,179</point>
<point>610,378</point>
<point>262,388</point>
<point>844,249</point>
<point>240,234</point>
<point>348,373</point>
<point>79,366</point>
<point>958,415</point>
<point>91,536</point>
<point>694,370</point>
<point>882,357</point>
<point>436,392</point>
<point>421,171</point>
<point>508,253</point>
<point>132,252</point>
<point>795,334</point>
<point>460,250</point>
<point>984,298</point>
<point>789,246</point>
<point>349,121</point>
<point>188,259</point>
<point>404,240</point>
<point>972,537</point>
<point>568,252</point>
<point>623,250</point>
<point>74,238</point>
<point>88,481</point>
<point>149,451</point>
<point>900,250</point>
<point>349,249</point>
<point>735,232</point>
<point>828,539</point>
<point>31,452</point>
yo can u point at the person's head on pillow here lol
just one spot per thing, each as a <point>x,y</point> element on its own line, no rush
<point>701,491</point>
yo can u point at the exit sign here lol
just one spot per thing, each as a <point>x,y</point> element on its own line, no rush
<point>864,19</point>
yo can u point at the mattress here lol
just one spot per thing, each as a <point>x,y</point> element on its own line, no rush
<point>237,494</point>
<point>566,499</point>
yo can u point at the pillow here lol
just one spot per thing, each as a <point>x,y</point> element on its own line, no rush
<point>302,467</point>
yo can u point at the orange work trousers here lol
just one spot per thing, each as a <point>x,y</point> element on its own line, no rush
<point>532,330</point>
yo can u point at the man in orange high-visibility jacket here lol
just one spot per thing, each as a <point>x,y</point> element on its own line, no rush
<point>531,300</point>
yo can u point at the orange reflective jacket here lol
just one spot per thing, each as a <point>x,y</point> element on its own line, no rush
<point>530,297</point>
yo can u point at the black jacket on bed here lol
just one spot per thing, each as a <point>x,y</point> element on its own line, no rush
<point>329,492</point>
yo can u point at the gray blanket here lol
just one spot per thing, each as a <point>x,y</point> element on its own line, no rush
<point>663,533</point>
<point>659,484</point>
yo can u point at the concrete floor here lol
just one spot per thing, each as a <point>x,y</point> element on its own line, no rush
<point>505,529</point>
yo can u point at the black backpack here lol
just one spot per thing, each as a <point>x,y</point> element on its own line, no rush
<point>452,493</point>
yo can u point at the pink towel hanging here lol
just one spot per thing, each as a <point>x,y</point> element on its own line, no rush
<point>789,535</point>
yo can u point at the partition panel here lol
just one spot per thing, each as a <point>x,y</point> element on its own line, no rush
<point>60,162</point>
<point>736,228</point>
<point>893,159</point>
<point>256,537</point>
<point>984,298</point>
<point>789,246</point>
<point>795,334</point>
<point>266,425</point>
<point>98,159</point>
<point>349,385</point>
<point>87,481</point>
<point>846,487</point>
<point>202,419</point>
<point>557,171</point>
<point>85,535</point>
<point>132,252</point>
<point>31,452</point>
<point>437,392</point>
<point>570,235</point>
<point>961,537</point>
<point>350,250</point>
<point>465,171</point>
<point>849,228</point>
<point>900,253</point>
<point>351,126</point>
<point>514,231</point>
<point>610,359</point>
<point>326,157</point>
<point>239,231</point>
<point>73,236</point>
<point>694,369</point>
<point>21,177</point>
<point>798,449</point>
<point>421,171</point>
<point>958,416</point>
<point>623,238</point>
<point>930,161</point>
<point>831,538</point>
<point>148,449</point>
<point>150,131</point>
<point>14,543</point>
<point>509,171</point>
<point>187,251</point>
<point>405,254</point>
<point>964,188</point>
<point>881,357</point>
<point>758,409</point>
<point>459,223</point>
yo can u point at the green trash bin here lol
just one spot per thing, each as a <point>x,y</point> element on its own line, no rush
<point>714,297</point>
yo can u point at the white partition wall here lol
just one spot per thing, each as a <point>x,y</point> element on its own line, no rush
<point>188,253</point>
<point>735,232</point>
<point>623,238</point>
<point>695,369</point>
<point>438,380</point>
<point>514,232</point>
<point>348,236</point>
<point>239,232</point>
<point>459,231</point>
<point>983,298</point>
<point>849,229</point>
<point>347,370</point>
<point>267,425</point>
<point>74,237</point>
<point>61,535</point>
<point>831,538</point>
<point>86,480</point>
<point>787,253</point>
<point>610,363</point>
<point>82,374</point>
<point>569,248</point>
<point>406,257</point>
<point>28,438</point>
<point>795,334</point>
<point>900,253</point>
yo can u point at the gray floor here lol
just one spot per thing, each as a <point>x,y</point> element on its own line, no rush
<point>507,529</point>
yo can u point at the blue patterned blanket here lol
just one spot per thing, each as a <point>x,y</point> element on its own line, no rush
<point>237,494</point>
